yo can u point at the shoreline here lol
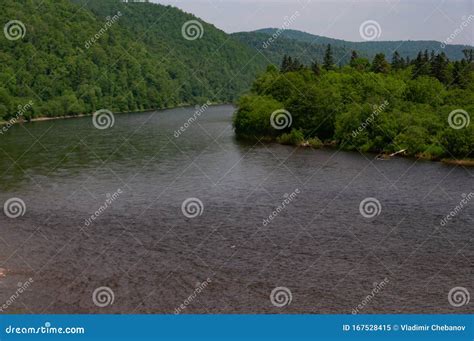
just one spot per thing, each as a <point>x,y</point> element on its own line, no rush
<point>461,162</point>
<point>53,118</point>
<point>333,145</point>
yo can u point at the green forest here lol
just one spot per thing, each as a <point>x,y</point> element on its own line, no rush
<point>140,60</point>
<point>309,46</point>
<point>383,106</point>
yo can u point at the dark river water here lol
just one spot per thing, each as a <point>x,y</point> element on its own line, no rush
<point>226,255</point>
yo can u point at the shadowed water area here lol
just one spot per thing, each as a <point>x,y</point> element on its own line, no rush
<point>153,257</point>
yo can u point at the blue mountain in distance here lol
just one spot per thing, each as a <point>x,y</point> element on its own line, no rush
<point>307,47</point>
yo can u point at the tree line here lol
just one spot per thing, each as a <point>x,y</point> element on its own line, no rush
<point>425,64</point>
<point>423,105</point>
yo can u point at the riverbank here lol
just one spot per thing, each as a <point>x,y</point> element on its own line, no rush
<point>462,162</point>
<point>297,141</point>
<point>46,118</point>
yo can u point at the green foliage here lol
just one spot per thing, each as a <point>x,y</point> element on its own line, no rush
<point>328,62</point>
<point>289,64</point>
<point>274,52</point>
<point>309,47</point>
<point>359,109</point>
<point>253,119</point>
<point>295,137</point>
<point>314,142</point>
<point>140,62</point>
<point>459,142</point>
<point>380,65</point>
<point>425,90</point>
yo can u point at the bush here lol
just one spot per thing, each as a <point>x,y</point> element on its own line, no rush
<point>433,152</point>
<point>253,117</point>
<point>295,138</point>
<point>315,142</point>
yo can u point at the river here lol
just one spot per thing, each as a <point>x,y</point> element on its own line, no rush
<point>226,255</point>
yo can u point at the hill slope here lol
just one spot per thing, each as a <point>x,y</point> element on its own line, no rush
<point>81,56</point>
<point>305,52</point>
<point>307,46</point>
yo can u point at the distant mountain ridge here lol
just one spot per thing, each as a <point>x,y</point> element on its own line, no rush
<point>306,46</point>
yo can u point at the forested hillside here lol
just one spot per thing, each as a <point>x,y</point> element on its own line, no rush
<point>367,49</point>
<point>423,107</point>
<point>78,57</point>
<point>306,52</point>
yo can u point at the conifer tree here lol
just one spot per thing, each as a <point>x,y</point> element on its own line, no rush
<point>379,64</point>
<point>328,63</point>
<point>315,68</point>
<point>354,58</point>
<point>439,68</point>
<point>397,61</point>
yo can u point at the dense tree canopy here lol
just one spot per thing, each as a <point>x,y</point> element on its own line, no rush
<point>139,61</point>
<point>422,106</point>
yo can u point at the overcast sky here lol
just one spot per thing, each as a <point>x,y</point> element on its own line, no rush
<point>398,19</point>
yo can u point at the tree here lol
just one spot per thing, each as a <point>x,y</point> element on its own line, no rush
<point>284,64</point>
<point>461,74</point>
<point>398,62</point>
<point>425,90</point>
<point>296,65</point>
<point>354,57</point>
<point>421,65</point>
<point>379,64</point>
<point>361,64</point>
<point>469,55</point>
<point>315,68</point>
<point>328,63</point>
<point>439,68</point>
<point>290,65</point>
